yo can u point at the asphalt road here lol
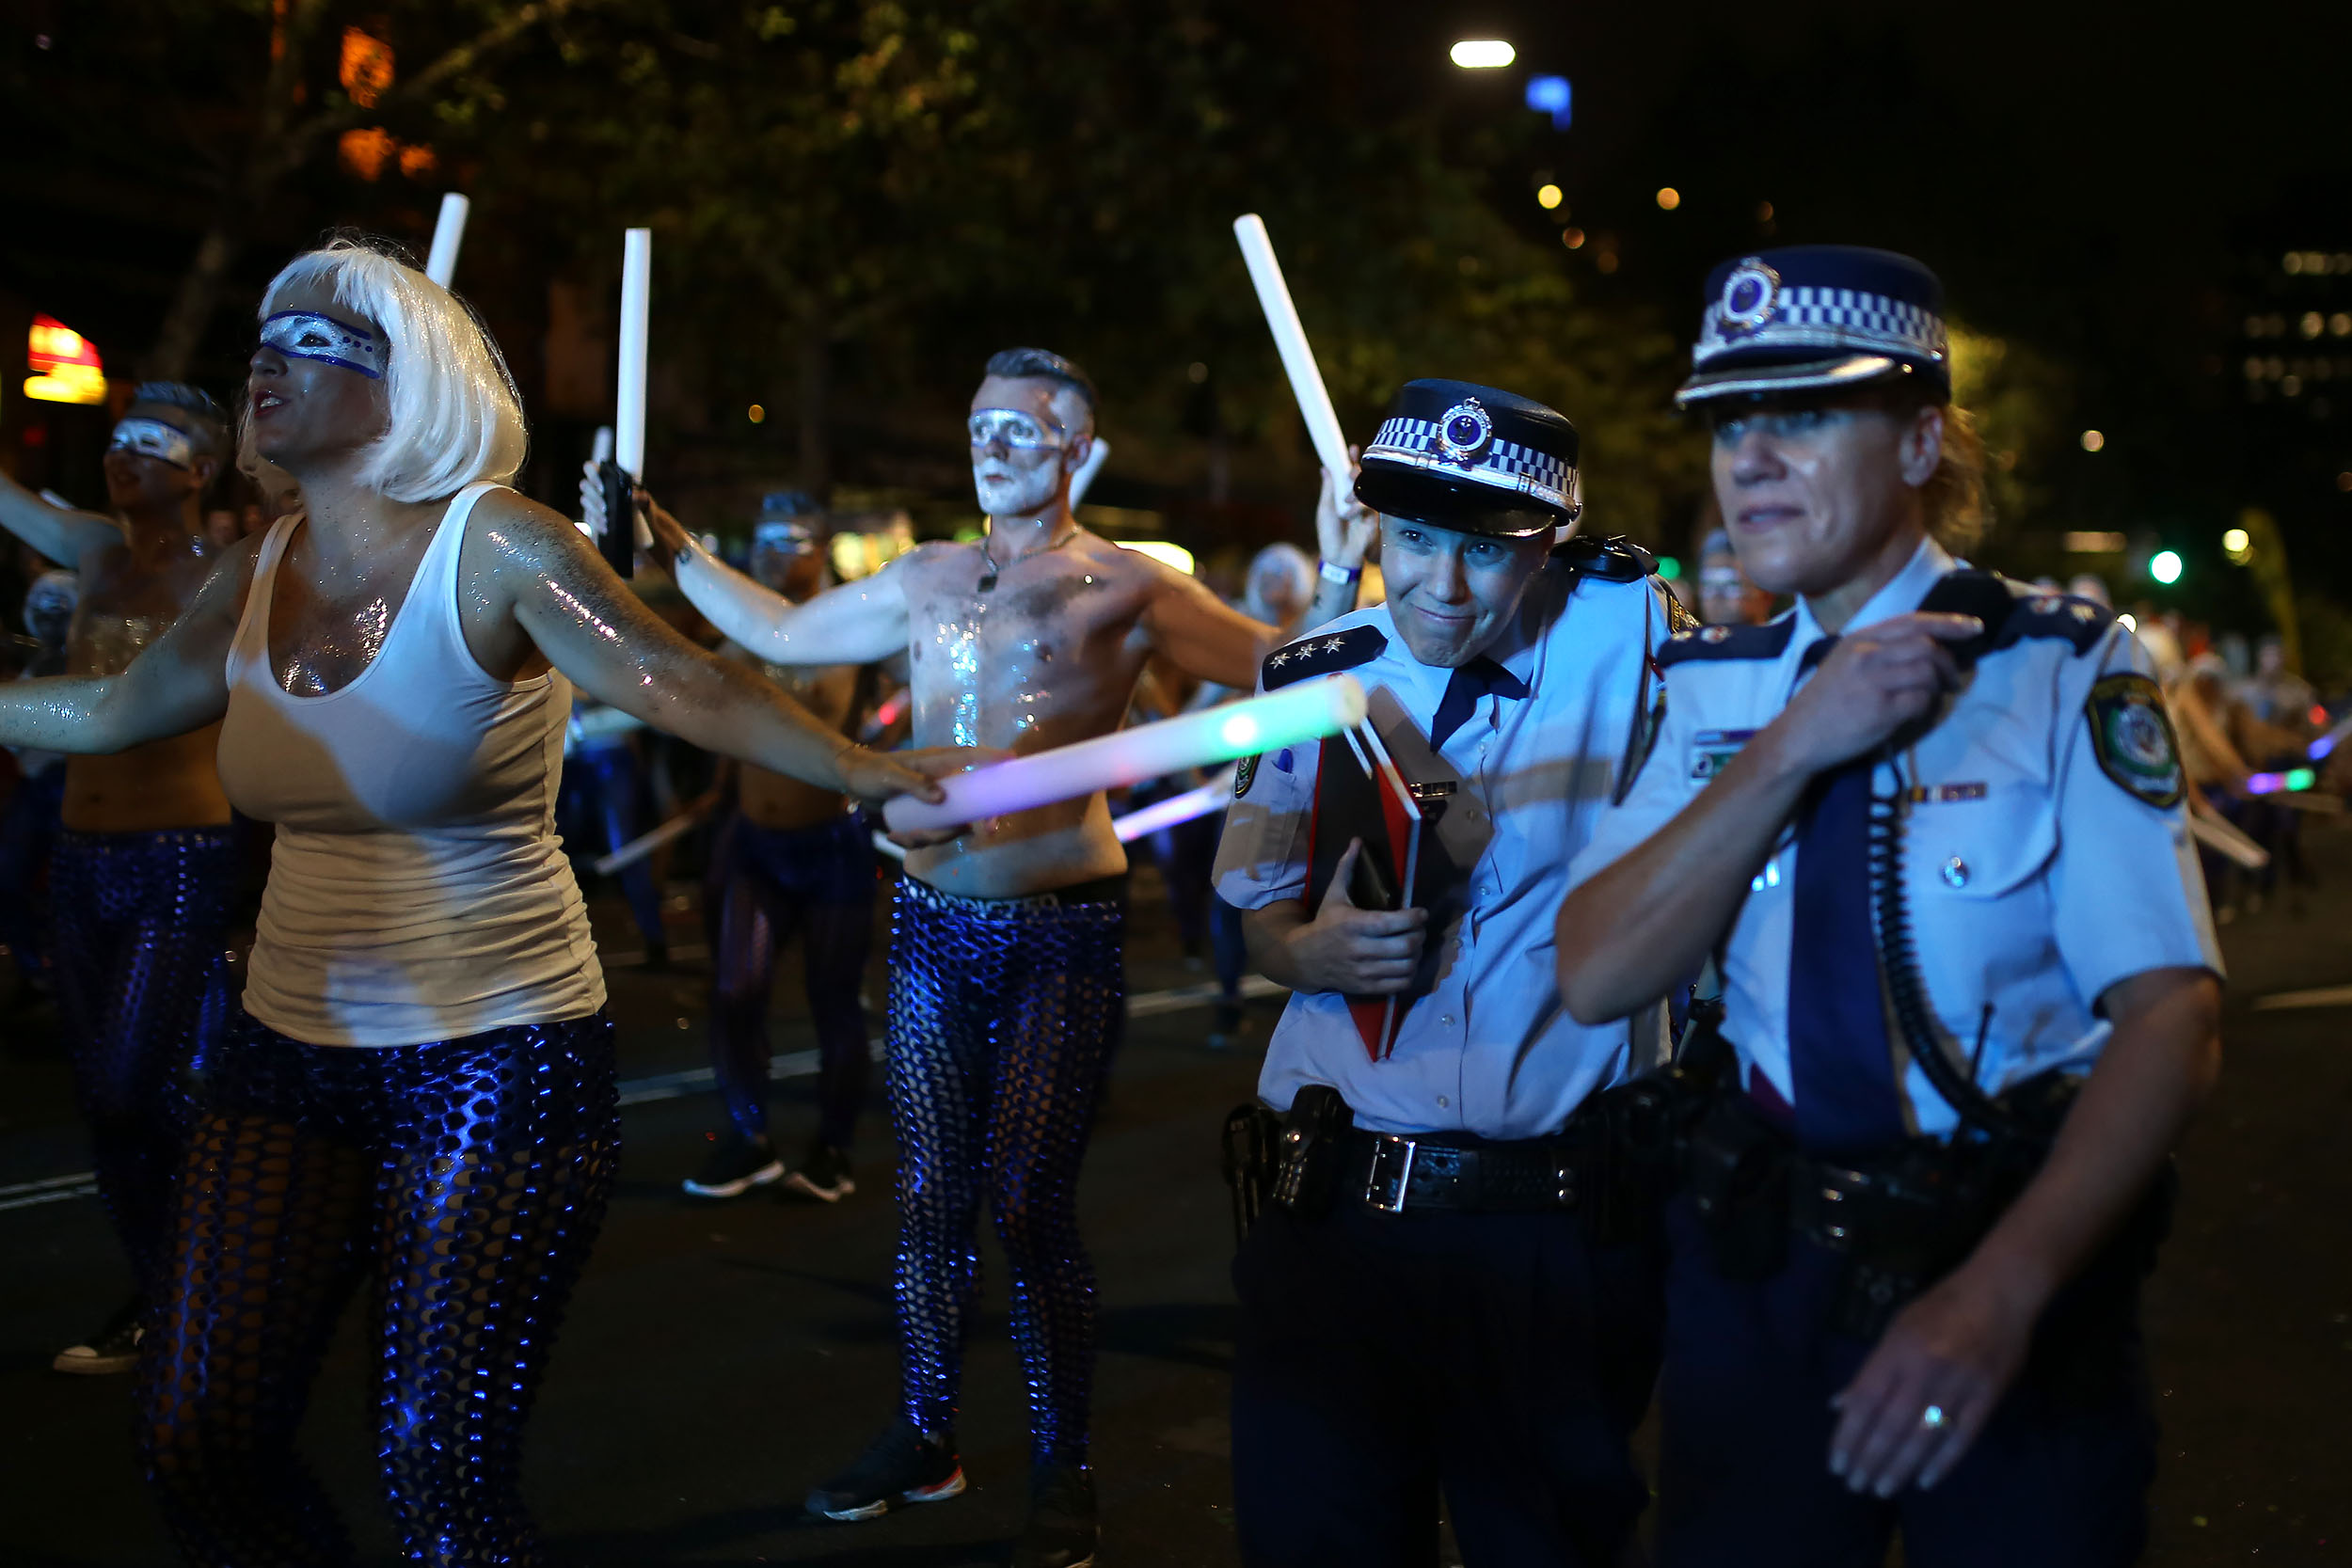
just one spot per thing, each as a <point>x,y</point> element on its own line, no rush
<point>718,1360</point>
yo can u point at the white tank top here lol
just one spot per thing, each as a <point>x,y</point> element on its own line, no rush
<point>418,891</point>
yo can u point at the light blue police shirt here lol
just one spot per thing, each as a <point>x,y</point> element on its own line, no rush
<point>2047,856</point>
<point>1491,1051</point>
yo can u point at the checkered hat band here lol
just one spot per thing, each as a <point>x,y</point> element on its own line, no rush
<point>1504,465</point>
<point>1849,319</point>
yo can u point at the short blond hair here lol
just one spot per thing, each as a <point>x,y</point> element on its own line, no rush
<point>456,417</point>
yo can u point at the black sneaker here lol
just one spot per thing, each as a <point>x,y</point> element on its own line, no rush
<point>1225,1026</point>
<point>737,1164</point>
<point>900,1466</point>
<point>823,1176</point>
<point>113,1348</point>
<point>1061,1531</point>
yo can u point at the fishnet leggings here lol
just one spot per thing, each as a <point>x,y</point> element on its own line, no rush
<point>466,1180</point>
<point>1002,1012</point>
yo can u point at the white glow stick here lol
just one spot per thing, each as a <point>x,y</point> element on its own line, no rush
<point>1087,470</point>
<point>1176,809</point>
<point>889,848</point>
<point>2222,837</point>
<point>1289,339</point>
<point>449,233</point>
<point>629,404</point>
<point>645,843</point>
<point>1306,711</point>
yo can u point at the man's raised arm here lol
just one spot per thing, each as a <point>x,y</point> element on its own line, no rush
<point>60,533</point>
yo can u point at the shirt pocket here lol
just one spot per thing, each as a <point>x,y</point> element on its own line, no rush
<point>1980,850</point>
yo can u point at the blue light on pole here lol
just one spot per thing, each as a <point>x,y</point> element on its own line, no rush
<point>1550,95</point>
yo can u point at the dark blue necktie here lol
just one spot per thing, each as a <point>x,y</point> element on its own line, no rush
<point>1471,683</point>
<point>1840,1064</point>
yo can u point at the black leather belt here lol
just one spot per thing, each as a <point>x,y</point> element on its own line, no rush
<point>1394,1173</point>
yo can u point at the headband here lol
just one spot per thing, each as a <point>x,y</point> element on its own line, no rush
<point>155,438</point>
<point>307,335</point>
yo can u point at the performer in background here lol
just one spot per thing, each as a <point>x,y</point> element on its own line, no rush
<point>1006,978</point>
<point>1443,1305</point>
<point>143,872</point>
<point>28,823</point>
<point>420,1087</point>
<point>793,858</point>
<point>1931,820</point>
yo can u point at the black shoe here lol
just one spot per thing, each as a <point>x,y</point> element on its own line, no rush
<point>823,1176</point>
<point>1061,1531</point>
<point>900,1466</point>
<point>737,1164</point>
<point>1225,1027</point>
<point>113,1348</point>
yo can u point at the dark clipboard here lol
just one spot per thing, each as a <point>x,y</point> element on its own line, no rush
<point>1360,794</point>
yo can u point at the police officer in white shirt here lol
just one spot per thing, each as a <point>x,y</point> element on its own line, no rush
<point>1426,1304</point>
<point>1929,821</point>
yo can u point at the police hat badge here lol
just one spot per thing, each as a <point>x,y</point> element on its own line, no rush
<point>1749,295</point>
<point>1474,459</point>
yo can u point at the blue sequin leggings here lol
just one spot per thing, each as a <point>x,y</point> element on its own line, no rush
<point>818,881</point>
<point>1002,1013</point>
<point>465,1180</point>
<point>140,920</point>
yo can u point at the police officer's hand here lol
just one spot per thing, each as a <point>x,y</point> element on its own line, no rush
<point>1932,1383</point>
<point>1353,951</point>
<point>1875,681</point>
<point>1345,527</point>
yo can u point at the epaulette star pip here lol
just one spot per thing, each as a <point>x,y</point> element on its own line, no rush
<point>1768,641</point>
<point>1322,654</point>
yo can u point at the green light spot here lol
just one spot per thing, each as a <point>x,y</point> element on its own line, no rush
<point>1669,568</point>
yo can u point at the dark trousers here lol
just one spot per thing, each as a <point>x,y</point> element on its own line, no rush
<point>463,1182</point>
<point>819,882</point>
<point>2058,1477</point>
<point>139,976</point>
<point>1503,1359</point>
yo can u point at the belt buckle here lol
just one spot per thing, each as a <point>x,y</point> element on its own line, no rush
<point>1384,1194</point>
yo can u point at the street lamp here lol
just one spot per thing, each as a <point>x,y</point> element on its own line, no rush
<point>1483,54</point>
<point>2165,566</point>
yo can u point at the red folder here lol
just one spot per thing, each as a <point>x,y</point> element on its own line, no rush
<point>1360,793</point>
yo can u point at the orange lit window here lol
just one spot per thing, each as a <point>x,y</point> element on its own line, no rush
<point>365,152</point>
<point>367,67</point>
<point>417,162</point>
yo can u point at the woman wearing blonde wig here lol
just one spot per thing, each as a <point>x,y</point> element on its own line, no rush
<point>418,1091</point>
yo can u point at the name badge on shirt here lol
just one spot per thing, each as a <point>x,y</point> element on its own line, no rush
<point>1711,750</point>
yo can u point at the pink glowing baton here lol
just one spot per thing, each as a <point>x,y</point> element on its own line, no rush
<point>1307,711</point>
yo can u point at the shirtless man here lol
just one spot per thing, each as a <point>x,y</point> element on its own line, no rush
<point>142,874</point>
<point>1007,981</point>
<point>792,857</point>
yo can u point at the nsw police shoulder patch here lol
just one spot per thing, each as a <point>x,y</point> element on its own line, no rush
<point>2132,735</point>
<point>1245,775</point>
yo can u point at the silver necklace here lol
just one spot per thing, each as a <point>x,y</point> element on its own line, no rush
<point>988,578</point>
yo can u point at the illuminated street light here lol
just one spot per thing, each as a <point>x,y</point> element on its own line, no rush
<point>2165,566</point>
<point>1669,198</point>
<point>1483,54</point>
<point>1547,197</point>
<point>2093,441</point>
<point>2238,546</point>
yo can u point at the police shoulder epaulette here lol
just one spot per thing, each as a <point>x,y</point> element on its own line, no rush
<point>1768,641</point>
<point>1322,654</point>
<point>1613,560</point>
<point>2038,613</point>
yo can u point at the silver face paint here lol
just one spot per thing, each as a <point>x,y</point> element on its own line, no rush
<point>1016,462</point>
<point>155,438</point>
<point>307,335</point>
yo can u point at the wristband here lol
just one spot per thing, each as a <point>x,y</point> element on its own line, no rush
<point>1345,576</point>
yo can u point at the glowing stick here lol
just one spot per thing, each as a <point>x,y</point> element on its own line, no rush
<point>629,404</point>
<point>1175,809</point>
<point>448,235</point>
<point>645,843</point>
<point>1290,341</point>
<point>1087,469</point>
<point>1306,711</point>
<point>2328,742</point>
<point>889,848</point>
<point>2220,837</point>
<point>2274,784</point>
